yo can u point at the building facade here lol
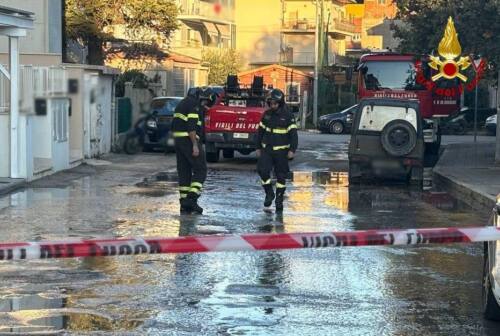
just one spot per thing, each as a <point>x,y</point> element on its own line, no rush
<point>286,34</point>
<point>372,19</point>
<point>204,24</point>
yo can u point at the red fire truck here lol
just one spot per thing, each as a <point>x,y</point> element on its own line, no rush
<point>390,75</point>
<point>232,123</point>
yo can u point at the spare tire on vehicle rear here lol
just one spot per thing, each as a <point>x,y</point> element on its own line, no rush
<point>398,137</point>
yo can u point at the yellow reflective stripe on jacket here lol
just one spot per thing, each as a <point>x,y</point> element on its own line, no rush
<point>193,116</point>
<point>198,123</point>
<point>184,188</point>
<point>279,185</point>
<point>180,134</point>
<point>281,147</point>
<point>180,116</point>
<point>292,126</point>
<point>280,131</point>
<point>266,182</point>
<point>277,147</point>
<point>261,124</point>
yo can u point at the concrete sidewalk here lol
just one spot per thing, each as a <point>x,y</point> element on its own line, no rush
<point>469,173</point>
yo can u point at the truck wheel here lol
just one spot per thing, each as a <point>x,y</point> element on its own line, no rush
<point>491,309</point>
<point>398,137</point>
<point>213,156</point>
<point>228,153</point>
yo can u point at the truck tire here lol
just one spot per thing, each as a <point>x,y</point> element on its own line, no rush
<point>213,156</point>
<point>228,153</point>
<point>398,137</point>
<point>491,309</point>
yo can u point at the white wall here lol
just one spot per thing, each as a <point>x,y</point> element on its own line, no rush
<point>42,136</point>
<point>4,146</point>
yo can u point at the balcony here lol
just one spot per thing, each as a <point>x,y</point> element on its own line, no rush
<point>338,28</point>
<point>203,11</point>
<point>342,28</point>
<point>299,26</point>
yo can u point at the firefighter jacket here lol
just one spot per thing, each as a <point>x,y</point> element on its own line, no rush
<point>187,118</point>
<point>277,130</point>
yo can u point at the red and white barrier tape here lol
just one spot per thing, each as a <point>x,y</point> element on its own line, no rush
<point>246,242</point>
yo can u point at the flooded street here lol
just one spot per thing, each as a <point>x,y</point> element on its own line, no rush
<point>430,290</point>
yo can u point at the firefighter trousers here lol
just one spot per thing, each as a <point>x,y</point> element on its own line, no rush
<point>192,171</point>
<point>276,159</point>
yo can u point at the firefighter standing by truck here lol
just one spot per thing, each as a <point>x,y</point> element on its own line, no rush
<point>187,133</point>
<point>277,142</point>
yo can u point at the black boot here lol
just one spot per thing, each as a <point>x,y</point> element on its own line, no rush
<point>268,188</point>
<point>192,200</point>
<point>185,206</point>
<point>280,194</point>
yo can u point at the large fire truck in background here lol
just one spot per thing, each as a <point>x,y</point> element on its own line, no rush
<point>232,123</point>
<point>390,75</point>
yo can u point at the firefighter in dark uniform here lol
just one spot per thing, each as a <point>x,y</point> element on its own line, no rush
<point>187,132</point>
<point>277,142</point>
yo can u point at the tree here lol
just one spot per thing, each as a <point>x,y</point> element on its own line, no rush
<point>476,22</point>
<point>221,62</point>
<point>92,23</point>
<point>136,77</point>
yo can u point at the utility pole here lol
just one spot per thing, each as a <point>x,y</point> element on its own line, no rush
<point>282,49</point>
<point>316,66</point>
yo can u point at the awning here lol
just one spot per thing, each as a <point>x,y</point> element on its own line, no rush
<point>224,30</point>
<point>211,28</point>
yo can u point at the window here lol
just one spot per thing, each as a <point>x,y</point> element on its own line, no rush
<point>292,93</point>
<point>390,75</point>
<point>178,75</point>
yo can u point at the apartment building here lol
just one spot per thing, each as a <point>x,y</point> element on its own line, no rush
<point>204,24</point>
<point>286,34</point>
<point>372,19</point>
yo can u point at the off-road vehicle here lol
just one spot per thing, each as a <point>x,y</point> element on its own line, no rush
<point>387,141</point>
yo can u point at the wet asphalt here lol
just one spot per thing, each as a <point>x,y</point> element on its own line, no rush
<point>429,290</point>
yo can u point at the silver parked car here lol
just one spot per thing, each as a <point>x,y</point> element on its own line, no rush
<point>491,271</point>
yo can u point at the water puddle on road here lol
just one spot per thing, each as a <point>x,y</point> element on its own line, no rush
<point>272,292</point>
<point>34,313</point>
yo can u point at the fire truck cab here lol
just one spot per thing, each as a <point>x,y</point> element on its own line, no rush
<point>232,123</point>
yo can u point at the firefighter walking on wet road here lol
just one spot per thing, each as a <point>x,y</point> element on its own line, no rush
<point>277,142</point>
<point>187,133</point>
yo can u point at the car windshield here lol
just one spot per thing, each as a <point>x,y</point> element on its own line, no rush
<point>165,106</point>
<point>390,75</point>
<point>351,109</point>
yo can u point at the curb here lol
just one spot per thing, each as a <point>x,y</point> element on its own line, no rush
<point>12,187</point>
<point>463,191</point>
